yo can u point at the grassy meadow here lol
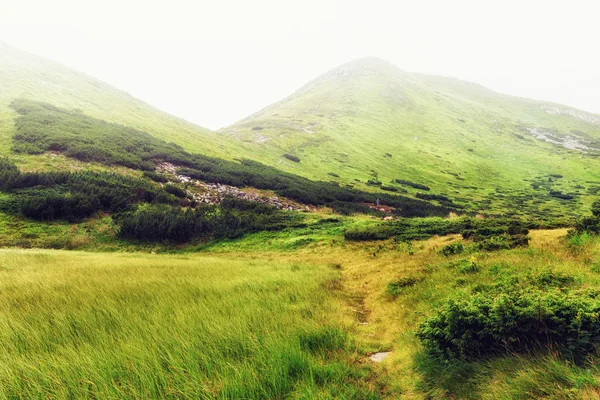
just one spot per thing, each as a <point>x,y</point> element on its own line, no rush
<point>262,317</point>
<point>90,325</point>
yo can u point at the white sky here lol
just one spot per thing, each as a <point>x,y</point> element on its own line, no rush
<point>215,62</point>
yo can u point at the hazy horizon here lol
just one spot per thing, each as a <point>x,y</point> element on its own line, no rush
<point>214,64</point>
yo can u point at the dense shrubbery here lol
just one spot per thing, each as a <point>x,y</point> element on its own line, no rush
<point>488,234</point>
<point>517,314</point>
<point>590,224</point>
<point>43,127</point>
<point>451,249</point>
<point>412,184</point>
<point>560,195</point>
<point>156,177</point>
<point>175,191</point>
<point>431,196</point>
<point>406,229</point>
<point>292,157</point>
<point>232,218</point>
<point>498,235</point>
<point>73,196</point>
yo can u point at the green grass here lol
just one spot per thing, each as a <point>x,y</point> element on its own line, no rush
<point>460,139</point>
<point>32,77</point>
<point>356,117</point>
<point>81,325</point>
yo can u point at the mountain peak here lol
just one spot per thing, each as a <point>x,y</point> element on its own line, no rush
<point>366,66</point>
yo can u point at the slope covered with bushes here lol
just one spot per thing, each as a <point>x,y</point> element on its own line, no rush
<point>43,127</point>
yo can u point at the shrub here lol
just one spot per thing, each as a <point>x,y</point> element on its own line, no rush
<point>389,188</point>
<point>412,184</point>
<point>396,288</point>
<point>291,157</point>
<point>372,182</point>
<point>453,248</point>
<point>503,242</point>
<point>468,267</point>
<point>74,195</point>
<point>596,208</point>
<point>233,218</point>
<point>590,224</point>
<point>514,321</point>
<point>430,196</point>
<point>560,195</point>
<point>175,191</point>
<point>364,233</point>
<point>156,177</point>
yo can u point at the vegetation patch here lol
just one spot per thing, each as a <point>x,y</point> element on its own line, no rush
<point>396,288</point>
<point>412,184</point>
<point>43,127</point>
<point>292,157</point>
<point>514,320</point>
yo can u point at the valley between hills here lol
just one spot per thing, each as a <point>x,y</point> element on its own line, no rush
<point>378,234</point>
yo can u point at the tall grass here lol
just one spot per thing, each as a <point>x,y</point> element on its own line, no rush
<point>80,325</point>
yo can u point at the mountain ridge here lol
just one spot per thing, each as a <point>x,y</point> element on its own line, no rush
<point>355,120</point>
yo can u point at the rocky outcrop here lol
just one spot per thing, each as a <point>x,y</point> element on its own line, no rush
<point>213,193</point>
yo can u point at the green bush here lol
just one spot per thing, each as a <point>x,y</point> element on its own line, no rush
<point>292,157</point>
<point>518,320</point>
<point>75,195</point>
<point>453,248</point>
<point>231,219</point>
<point>365,233</point>
<point>156,177</point>
<point>396,288</point>
<point>175,191</point>
<point>413,184</point>
<point>590,224</point>
<point>502,242</point>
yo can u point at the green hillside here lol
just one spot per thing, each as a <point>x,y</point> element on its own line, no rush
<point>31,77</point>
<point>478,147</point>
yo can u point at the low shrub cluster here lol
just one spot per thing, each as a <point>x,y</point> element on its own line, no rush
<point>396,288</point>
<point>487,234</point>
<point>499,236</point>
<point>516,315</point>
<point>560,195</point>
<point>231,219</point>
<point>451,249</point>
<point>590,224</point>
<point>431,196</point>
<point>75,195</point>
<point>156,177</point>
<point>292,157</point>
<point>412,184</point>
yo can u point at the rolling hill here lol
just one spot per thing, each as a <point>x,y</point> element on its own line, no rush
<point>28,76</point>
<point>369,120</point>
<point>365,124</point>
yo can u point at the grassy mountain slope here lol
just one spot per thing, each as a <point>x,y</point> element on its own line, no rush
<point>477,146</point>
<point>23,75</point>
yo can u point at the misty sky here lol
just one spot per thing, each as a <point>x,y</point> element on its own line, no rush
<point>215,62</point>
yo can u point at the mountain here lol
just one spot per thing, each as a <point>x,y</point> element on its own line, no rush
<point>370,120</point>
<point>24,75</point>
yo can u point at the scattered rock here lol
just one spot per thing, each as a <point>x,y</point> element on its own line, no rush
<point>213,193</point>
<point>379,357</point>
